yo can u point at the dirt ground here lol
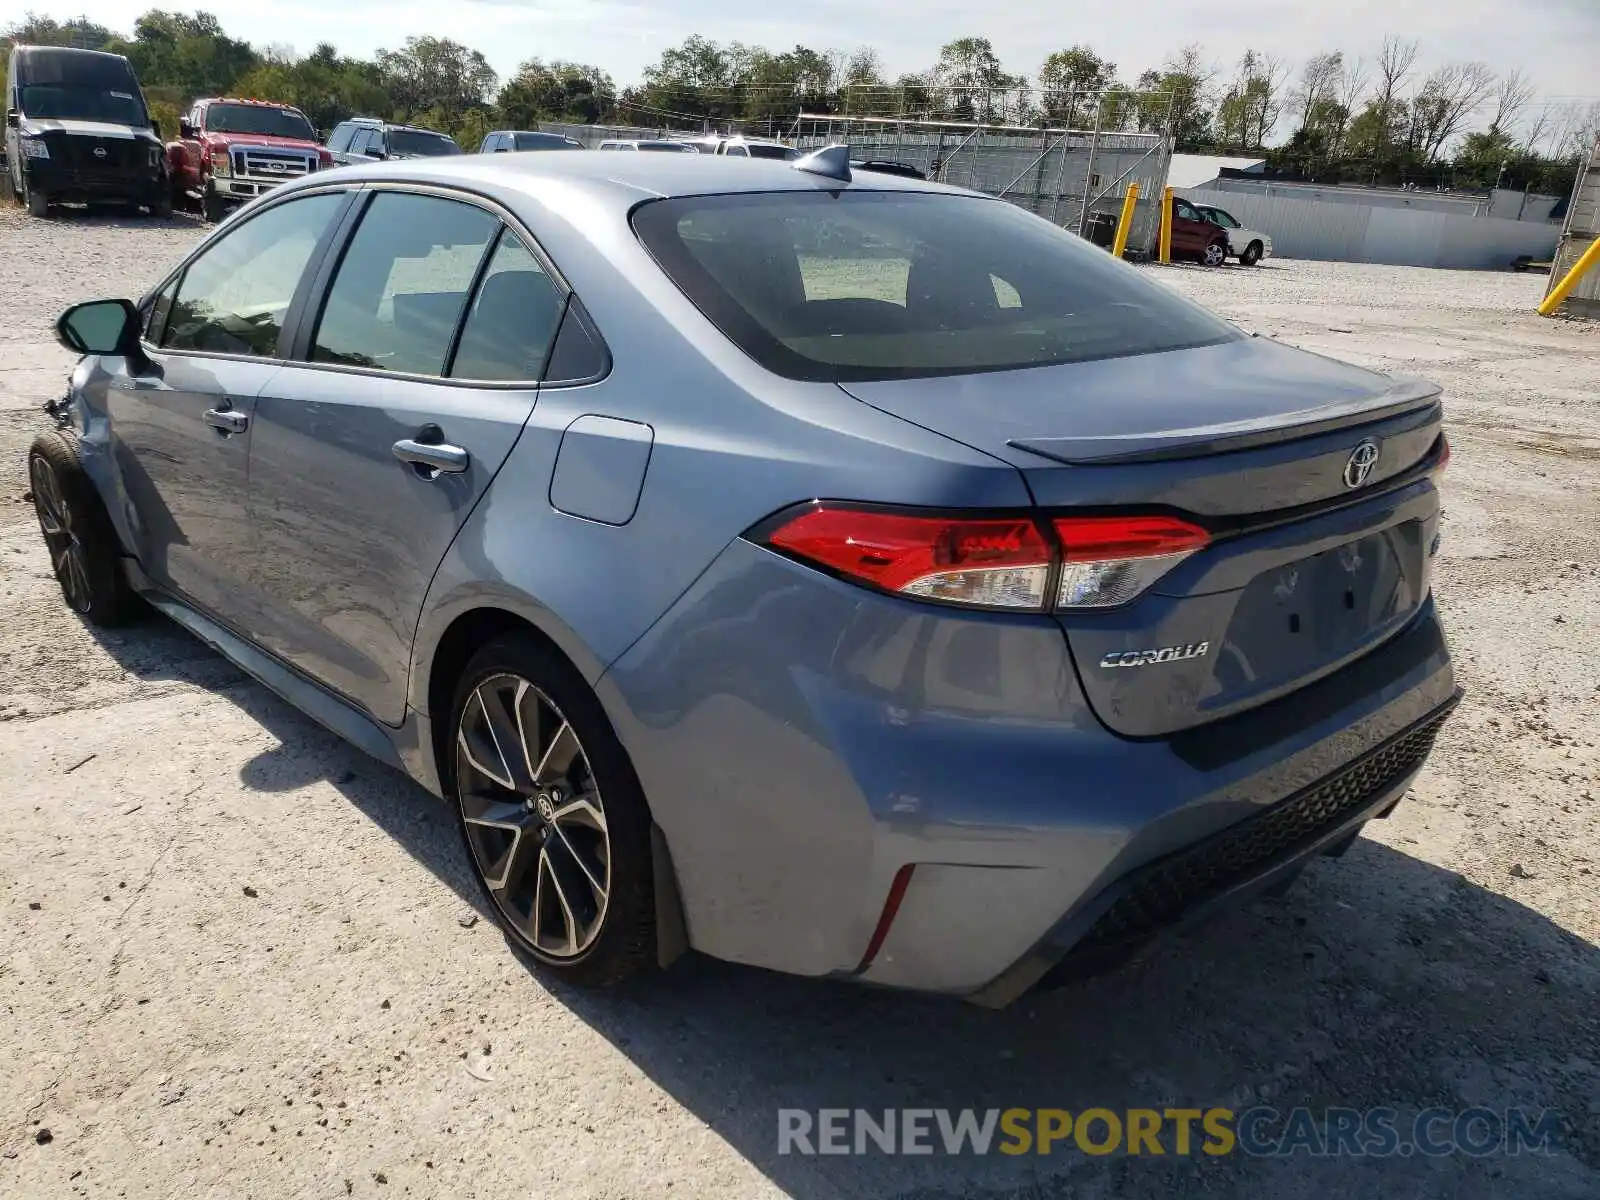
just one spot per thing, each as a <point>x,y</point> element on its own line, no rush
<point>237,958</point>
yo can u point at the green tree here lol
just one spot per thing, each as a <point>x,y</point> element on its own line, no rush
<point>1066,77</point>
<point>436,77</point>
<point>187,52</point>
<point>694,79</point>
<point>1180,91</point>
<point>971,85</point>
<point>557,91</point>
<point>863,89</point>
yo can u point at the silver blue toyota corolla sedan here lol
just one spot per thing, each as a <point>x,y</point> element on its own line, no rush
<point>850,576</point>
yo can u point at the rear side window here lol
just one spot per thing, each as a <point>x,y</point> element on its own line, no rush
<point>402,284</point>
<point>513,319</point>
<point>862,285</point>
<point>233,297</point>
<point>339,140</point>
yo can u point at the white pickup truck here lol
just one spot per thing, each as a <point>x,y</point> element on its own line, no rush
<point>1247,245</point>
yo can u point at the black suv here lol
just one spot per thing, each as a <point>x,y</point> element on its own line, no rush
<point>77,130</point>
<point>362,139</point>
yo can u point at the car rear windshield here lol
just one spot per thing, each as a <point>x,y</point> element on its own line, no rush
<point>416,141</point>
<point>861,285</point>
<point>259,119</point>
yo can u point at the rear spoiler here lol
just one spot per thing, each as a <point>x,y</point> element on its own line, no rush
<point>1404,395</point>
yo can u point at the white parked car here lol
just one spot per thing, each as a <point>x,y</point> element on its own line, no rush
<point>1249,246</point>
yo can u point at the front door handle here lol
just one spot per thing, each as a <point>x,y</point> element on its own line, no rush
<point>432,459</point>
<point>227,420</point>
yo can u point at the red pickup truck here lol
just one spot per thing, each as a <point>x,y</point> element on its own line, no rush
<point>229,151</point>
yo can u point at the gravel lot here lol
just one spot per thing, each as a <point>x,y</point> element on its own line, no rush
<point>237,958</point>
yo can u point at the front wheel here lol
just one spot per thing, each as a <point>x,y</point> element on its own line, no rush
<point>83,547</point>
<point>38,202</point>
<point>1216,254</point>
<point>1251,255</point>
<point>212,207</point>
<point>553,817</point>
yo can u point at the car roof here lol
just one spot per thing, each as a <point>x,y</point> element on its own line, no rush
<point>242,100</point>
<point>380,123</point>
<point>620,180</point>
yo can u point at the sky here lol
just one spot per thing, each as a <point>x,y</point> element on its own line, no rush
<point>1557,42</point>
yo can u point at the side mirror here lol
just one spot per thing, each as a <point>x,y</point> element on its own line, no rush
<point>185,128</point>
<point>99,327</point>
<point>501,149</point>
<point>155,126</point>
<point>374,152</point>
<point>13,118</point>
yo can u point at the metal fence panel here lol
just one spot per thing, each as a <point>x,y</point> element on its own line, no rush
<point>1342,232</point>
<point>1581,228</point>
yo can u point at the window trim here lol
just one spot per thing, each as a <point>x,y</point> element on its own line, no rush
<point>291,316</point>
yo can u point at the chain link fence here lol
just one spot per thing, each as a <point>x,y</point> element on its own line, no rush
<point>1074,175</point>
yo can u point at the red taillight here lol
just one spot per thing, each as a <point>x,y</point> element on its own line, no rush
<point>1088,539</point>
<point>991,562</point>
<point>999,563</point>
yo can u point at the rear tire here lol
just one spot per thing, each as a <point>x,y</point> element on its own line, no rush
<point>1216,253</point>
<point>528,742</point>
<point>85,555</point>
<point>161,207</point>
<point>1251,255</point>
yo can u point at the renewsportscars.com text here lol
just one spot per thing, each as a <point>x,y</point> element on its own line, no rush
<point>1259,1132</point>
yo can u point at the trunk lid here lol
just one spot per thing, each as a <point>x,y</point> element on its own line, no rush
<point>1312,476</point>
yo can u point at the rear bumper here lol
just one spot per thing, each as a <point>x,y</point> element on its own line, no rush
<point>801,741</point>
<point>1230,866</point>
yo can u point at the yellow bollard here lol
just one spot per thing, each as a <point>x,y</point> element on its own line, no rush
<point>1125,221</point>
<point>1167,226</point>
<point>1570,280</point>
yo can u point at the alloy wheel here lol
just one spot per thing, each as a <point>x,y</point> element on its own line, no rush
<point>534,818</point>
<point>68,559</point>
<point>1216,253</point>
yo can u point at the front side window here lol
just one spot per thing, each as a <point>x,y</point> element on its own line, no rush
<point>232,299</point>
<point>402,284</point>
<point>862,285</point>
<point>259,119</point>
<point>339,140</point>
<point>1221,218</point>
<point>513,318</point>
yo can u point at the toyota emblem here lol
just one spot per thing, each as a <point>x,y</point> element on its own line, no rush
<point>1358,467</point>
<point>99,151</point>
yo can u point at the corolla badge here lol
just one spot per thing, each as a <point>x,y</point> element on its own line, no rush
<point>1162,654</point>
<point>1358,467</point>
<point>99,151</point>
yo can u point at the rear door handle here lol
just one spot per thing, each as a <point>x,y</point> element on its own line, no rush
<point>227,420</point>
<point>432,459</point>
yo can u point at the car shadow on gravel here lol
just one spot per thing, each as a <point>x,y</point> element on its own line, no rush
<point>1377,980</point>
